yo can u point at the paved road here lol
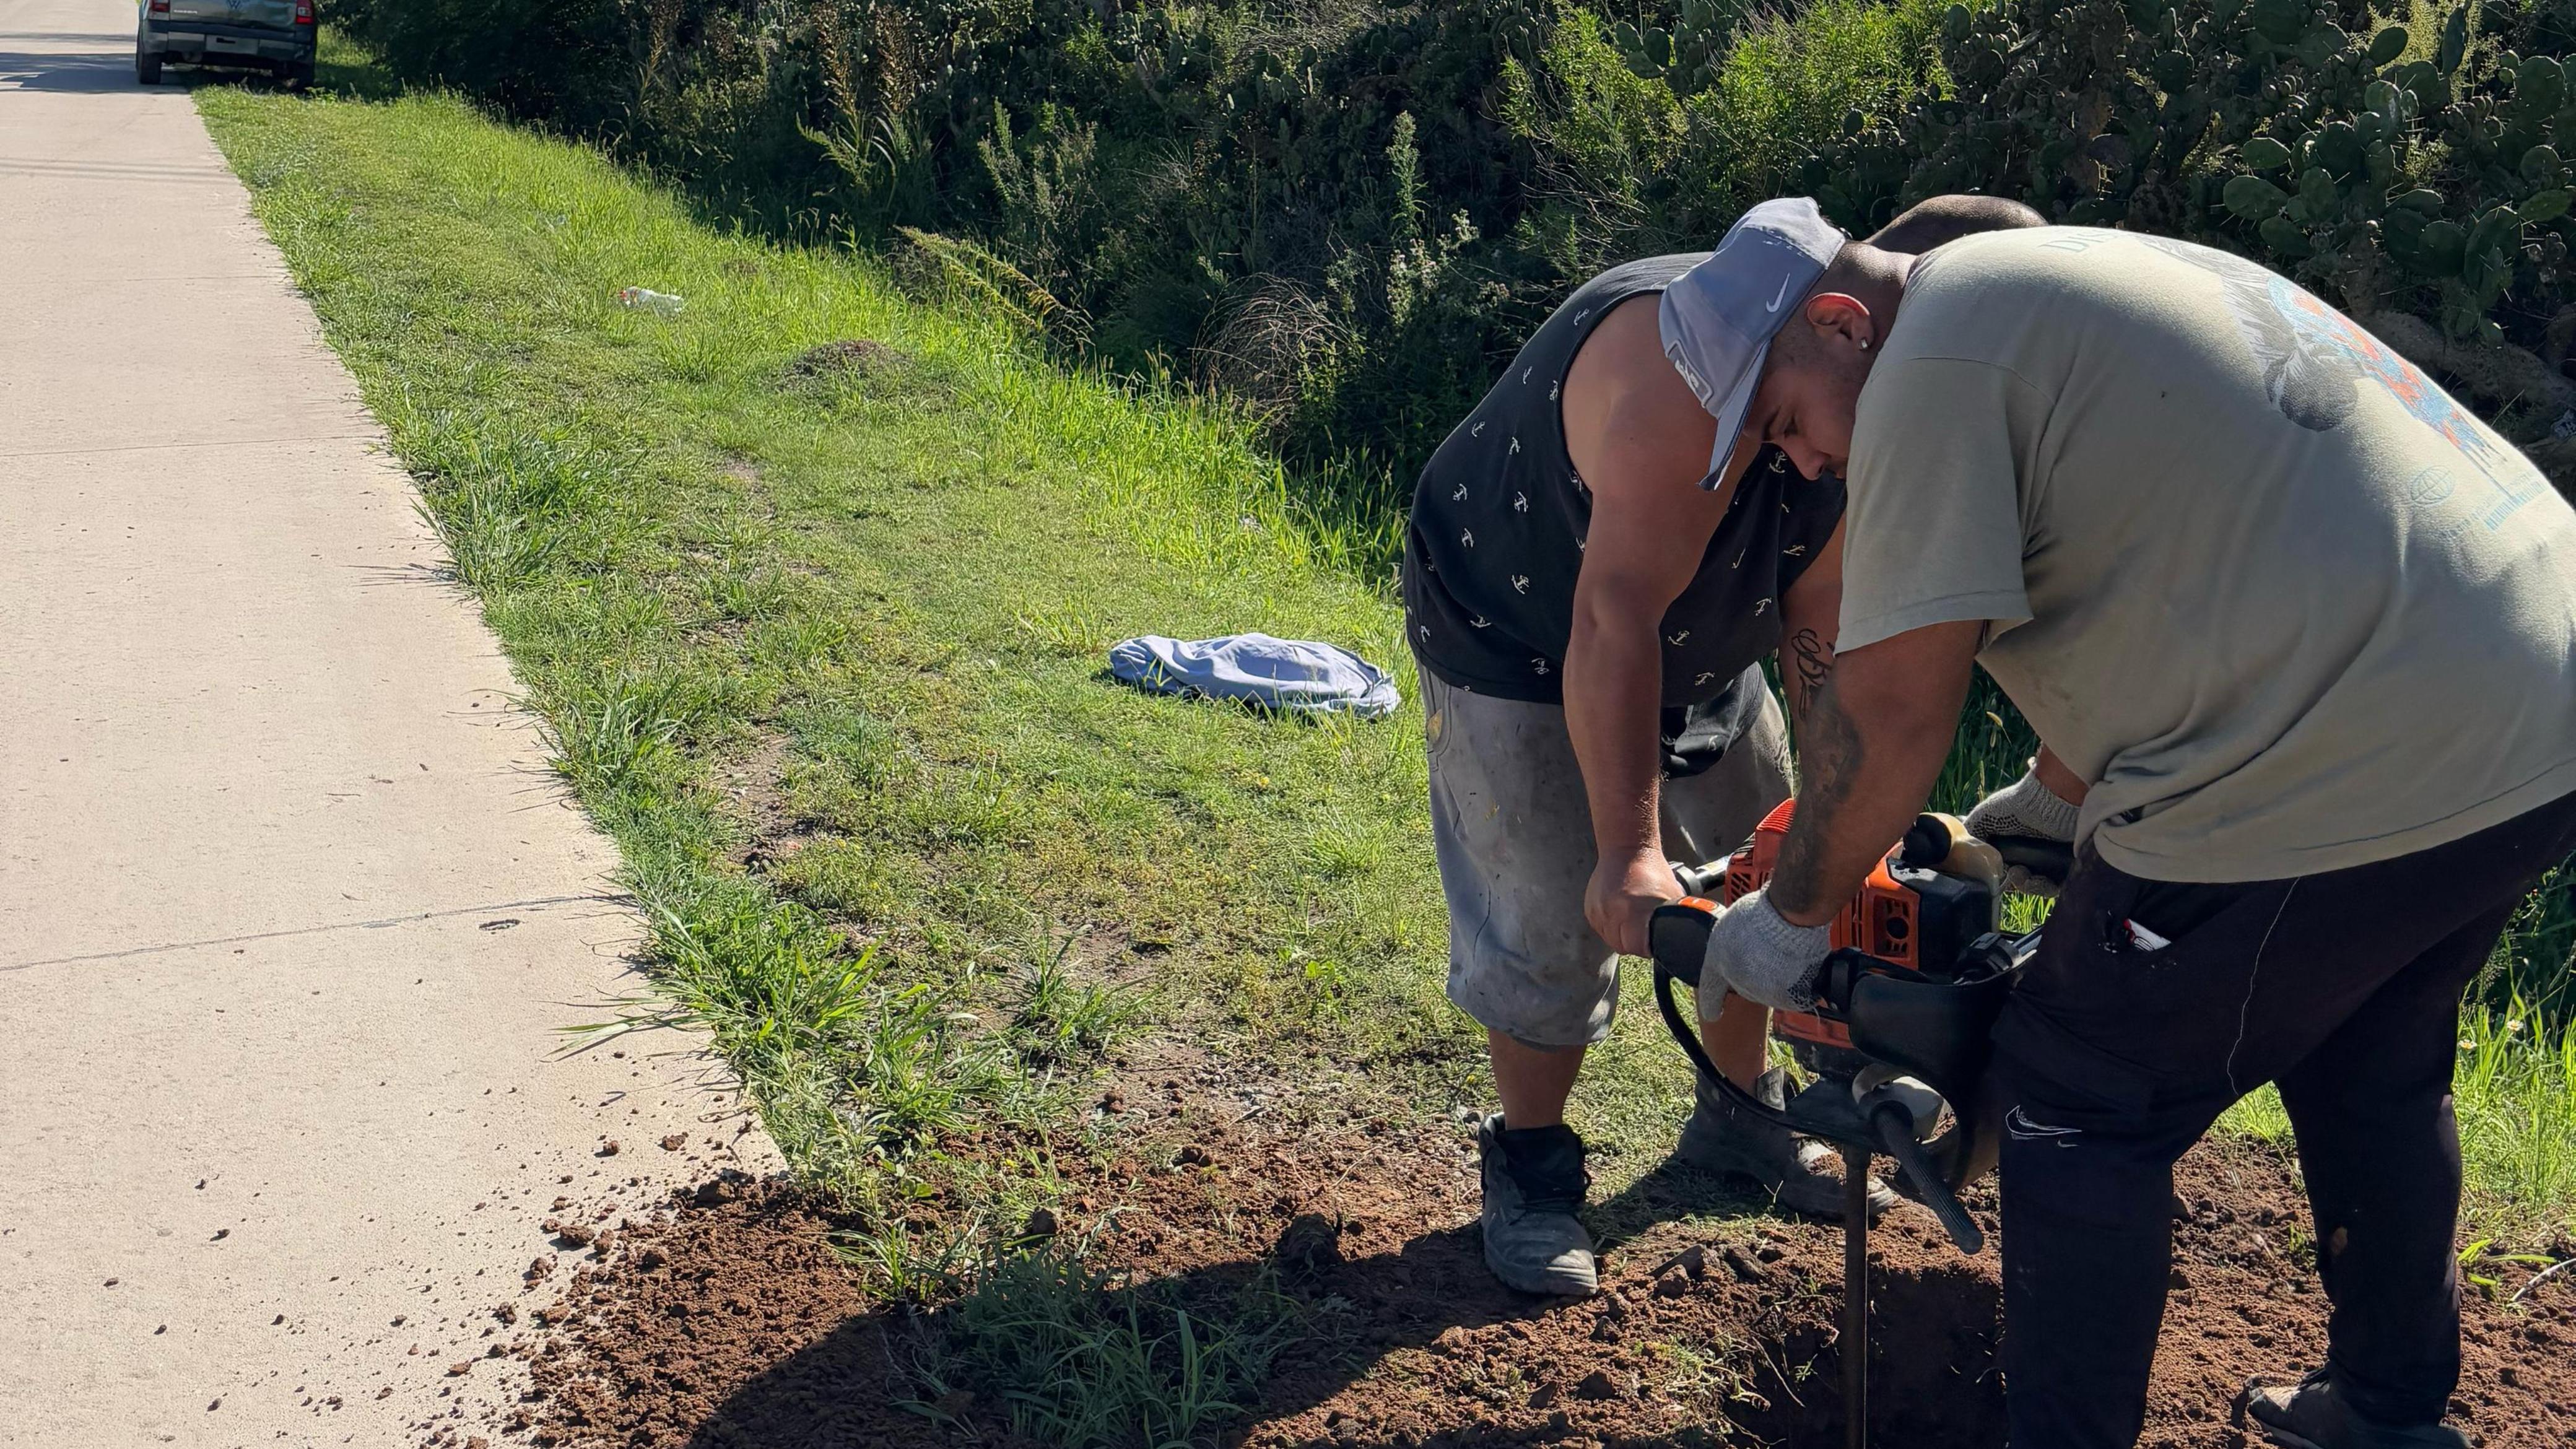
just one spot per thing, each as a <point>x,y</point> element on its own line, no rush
<point>290,914</point>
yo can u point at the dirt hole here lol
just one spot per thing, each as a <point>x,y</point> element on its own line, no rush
<point>1933,1378</point>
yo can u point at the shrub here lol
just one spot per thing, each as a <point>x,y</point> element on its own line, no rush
<point>1642,154</point>
<point>2407,172</point>
<point>1347,213</point>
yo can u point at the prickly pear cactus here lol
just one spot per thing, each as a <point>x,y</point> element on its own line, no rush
<point>1686,54</point>
<point>2393,172</point>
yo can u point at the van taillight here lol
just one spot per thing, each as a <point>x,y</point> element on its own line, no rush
<point>303,12</point>
<point>160,7</point>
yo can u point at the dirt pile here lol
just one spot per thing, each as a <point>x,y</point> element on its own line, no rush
<point>849,357</point>
<point>727,1320</point>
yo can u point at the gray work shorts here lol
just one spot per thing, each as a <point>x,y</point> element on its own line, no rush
<point>1513,830</point>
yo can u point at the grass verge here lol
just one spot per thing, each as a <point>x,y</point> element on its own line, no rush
<point>809,584</point>
<point>817,637</point>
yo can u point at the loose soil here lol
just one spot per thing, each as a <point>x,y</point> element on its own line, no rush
<point>851,356</point>
<point>726,1321</point>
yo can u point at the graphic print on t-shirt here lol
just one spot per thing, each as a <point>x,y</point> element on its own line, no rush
<point>2233,543</point>
<point>2314,359</point>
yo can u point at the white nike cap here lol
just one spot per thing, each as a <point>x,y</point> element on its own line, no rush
<point>1718,318</point>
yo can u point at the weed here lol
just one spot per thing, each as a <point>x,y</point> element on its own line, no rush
<point>1083,1360</point>
<point>1348,847</point>
<point>606,732</point>
<point>1070,629</point>
<point>490,547</point>
<point>1710,1371</point>
<point>911,1075</point>
<point>742,595</point>
<point>800,645</point>
<point>1061,1019</point>
<point>909,1264</point>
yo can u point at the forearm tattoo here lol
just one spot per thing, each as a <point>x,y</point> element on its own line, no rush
<point>1829,763</point>
<point>1811,662</point>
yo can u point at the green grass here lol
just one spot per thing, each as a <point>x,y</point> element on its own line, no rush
<point>2515,1095</point>
<point>821,650</point>
<point>822,653</point>
<point>1095,1361</point>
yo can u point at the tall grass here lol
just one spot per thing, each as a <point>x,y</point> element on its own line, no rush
<point>2516,1099</point>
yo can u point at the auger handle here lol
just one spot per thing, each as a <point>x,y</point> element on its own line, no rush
<point>1677,937</point>
<point>2050,859</point>
<point>1895,1128</point>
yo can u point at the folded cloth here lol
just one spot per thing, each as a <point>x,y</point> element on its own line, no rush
<point>1290,674</point>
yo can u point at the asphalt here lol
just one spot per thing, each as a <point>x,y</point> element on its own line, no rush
<point>292,915</point>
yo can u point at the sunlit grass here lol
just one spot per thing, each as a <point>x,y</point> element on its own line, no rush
<point>823,659</point>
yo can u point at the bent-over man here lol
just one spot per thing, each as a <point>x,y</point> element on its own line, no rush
<point>2222,547</point>
<point>1591,582</point>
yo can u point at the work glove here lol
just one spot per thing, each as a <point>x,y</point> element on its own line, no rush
<point>2031,811</point>
<point>1764,958</point>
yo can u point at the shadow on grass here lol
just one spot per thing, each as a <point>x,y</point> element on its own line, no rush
<point>341,70</point>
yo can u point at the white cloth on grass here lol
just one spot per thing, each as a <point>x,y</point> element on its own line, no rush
<point>1290,674</point>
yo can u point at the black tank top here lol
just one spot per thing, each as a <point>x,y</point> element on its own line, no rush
<point>1496,538</point>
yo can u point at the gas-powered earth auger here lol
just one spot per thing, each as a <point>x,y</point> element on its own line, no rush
<point>1904,1007</point>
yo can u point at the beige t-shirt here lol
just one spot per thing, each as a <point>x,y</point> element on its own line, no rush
<point>2287,605</point>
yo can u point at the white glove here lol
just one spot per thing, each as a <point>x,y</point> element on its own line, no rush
<point>1763,957</point>
<point>2030,809</point>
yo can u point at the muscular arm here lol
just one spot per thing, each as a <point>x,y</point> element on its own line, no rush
<point>1640,442</point>
<point>1873,744</point>
<point>1810,616</point>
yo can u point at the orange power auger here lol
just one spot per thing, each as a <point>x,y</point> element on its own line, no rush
<point>1904,1007</point>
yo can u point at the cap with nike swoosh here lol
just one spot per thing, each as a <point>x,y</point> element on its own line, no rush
<point>1718,318</point>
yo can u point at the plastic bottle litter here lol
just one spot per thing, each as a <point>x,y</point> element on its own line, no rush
<point>660,303</point>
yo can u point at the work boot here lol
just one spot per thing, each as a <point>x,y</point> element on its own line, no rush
<point>1801,1174</point>
<point>1534,1186</point>
<point>2310,1415</point>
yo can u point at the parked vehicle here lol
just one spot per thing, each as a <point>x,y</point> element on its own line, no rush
<point>271,35</point>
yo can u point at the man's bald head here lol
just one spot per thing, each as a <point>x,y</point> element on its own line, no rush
<point>1943,219</point>
<point>1817,364</point>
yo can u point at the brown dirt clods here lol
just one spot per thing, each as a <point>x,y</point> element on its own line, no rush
<point>727,1321</point>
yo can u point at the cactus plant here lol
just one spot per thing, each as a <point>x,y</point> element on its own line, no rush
<point>1687,55</point>
<point>2434,187</point>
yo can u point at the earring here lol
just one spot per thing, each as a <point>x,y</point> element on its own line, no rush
<point>1864,344</point>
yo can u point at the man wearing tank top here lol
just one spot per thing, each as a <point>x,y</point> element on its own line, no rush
<point>1591,583</point>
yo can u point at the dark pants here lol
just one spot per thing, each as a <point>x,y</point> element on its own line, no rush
<point>2344,988</point>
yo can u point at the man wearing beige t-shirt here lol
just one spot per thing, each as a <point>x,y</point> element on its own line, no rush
<point>2304,633</point>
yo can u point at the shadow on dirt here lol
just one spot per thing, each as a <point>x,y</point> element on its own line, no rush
<point>1343,1333</point>
<point>1298,1287</point>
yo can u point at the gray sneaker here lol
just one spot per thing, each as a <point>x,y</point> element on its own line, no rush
<point>1534,1185</point>
<point>1801,1174</point>
<point>2308,1415</point>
